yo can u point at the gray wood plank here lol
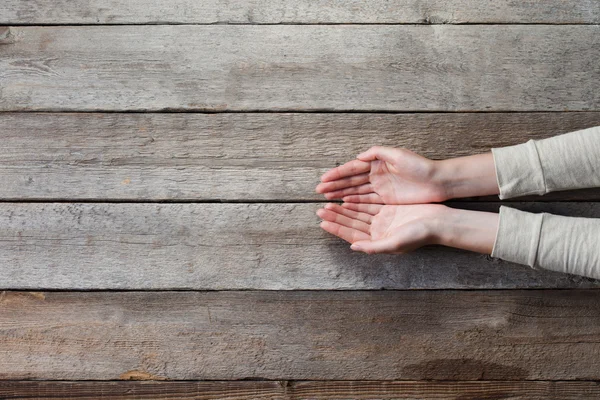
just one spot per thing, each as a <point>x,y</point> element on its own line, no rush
<point>6,36</point>
<point>376,335</point>
<point>291,390</point>
<point>304,12</point>
<point>308,67</point>
<point>234,246</point>
<point>230,156</point>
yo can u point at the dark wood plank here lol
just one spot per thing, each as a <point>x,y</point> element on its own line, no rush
<point>234,246</point>
<point>230,390</point>
<point>262,156</point>
<point>290,390</point>
<point>307,67</point>
<point>314,335</point>
<point>304,12</point>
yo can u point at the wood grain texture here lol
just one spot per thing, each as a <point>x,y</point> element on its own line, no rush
<point>303,12</point>
<point>315,335</point>
<point>309,67</point>
<point>6,36</point>
<point>234,246</point>
<point>248,157</point>
<point>291,390</point>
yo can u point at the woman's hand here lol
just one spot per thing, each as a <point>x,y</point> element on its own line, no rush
<point>385,175</point>
<point>375,228</point>
<point>397,229</point>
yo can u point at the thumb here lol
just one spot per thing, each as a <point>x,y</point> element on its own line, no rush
<point>386,245</point>
<point>387,154</point>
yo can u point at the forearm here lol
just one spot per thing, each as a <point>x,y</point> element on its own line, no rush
<point>563,162</point>
<point>467,176</point>
<point>465,229</point>
<point>541,241</point>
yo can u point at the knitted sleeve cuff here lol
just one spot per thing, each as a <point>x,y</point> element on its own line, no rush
<point>518,236</point>
<point>519,170</point>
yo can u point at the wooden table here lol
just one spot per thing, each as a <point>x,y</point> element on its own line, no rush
<point>157,208</point>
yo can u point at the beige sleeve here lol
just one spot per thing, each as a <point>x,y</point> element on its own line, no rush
<point>567,161</point>
<point>548,241</point>
<point>558,243</point>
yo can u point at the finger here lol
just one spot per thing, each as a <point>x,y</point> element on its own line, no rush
<point>387,154</point>
<point>353,167</point>
<point>372,209</point>
<point>342,183</point>
<point>389,244</point>
<point>348,234</point>
<point>332,216</point>
<point>363,198</point>
<point>361,189</point>
<point>349,213</point>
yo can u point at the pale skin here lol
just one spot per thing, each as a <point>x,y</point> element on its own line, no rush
<point>389,197</point>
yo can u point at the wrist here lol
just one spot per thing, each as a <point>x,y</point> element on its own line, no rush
<point>465,229</point>
<point>467,176</point>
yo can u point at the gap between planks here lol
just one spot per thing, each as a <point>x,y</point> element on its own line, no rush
<point>323,111</point>
<point>47,24</point>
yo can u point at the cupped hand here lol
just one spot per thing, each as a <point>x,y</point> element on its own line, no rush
<point>385,175</point>
<point>375,228</point>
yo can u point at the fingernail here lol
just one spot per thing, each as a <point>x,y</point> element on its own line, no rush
<point>356,247</point>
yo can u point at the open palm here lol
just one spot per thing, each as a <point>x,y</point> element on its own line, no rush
<point>384,175</point>
<point>375,228</point>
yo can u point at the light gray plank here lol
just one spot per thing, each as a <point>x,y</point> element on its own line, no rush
<point>256,156</point>
<point>291,390</point>
<point>412,335</point>
<point>234,246</point>
<point>309,67</point>
<point>302,11</point>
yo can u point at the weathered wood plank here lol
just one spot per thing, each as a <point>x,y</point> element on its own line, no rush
<point>233,246</point>
<point>291,390</point>
<point>256,156</point>
<point>308,67</point>
<point>304,12</point>
<point>374,335</point>
<point>6,36</point>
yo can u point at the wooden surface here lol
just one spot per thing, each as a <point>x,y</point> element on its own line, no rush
<point>302,68</point>
<point>297,12</point>
<point>157,209</point>
<point>291,390</point>
<point>318,335</point>
<point>236,156</point>
<point>235,246</point>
